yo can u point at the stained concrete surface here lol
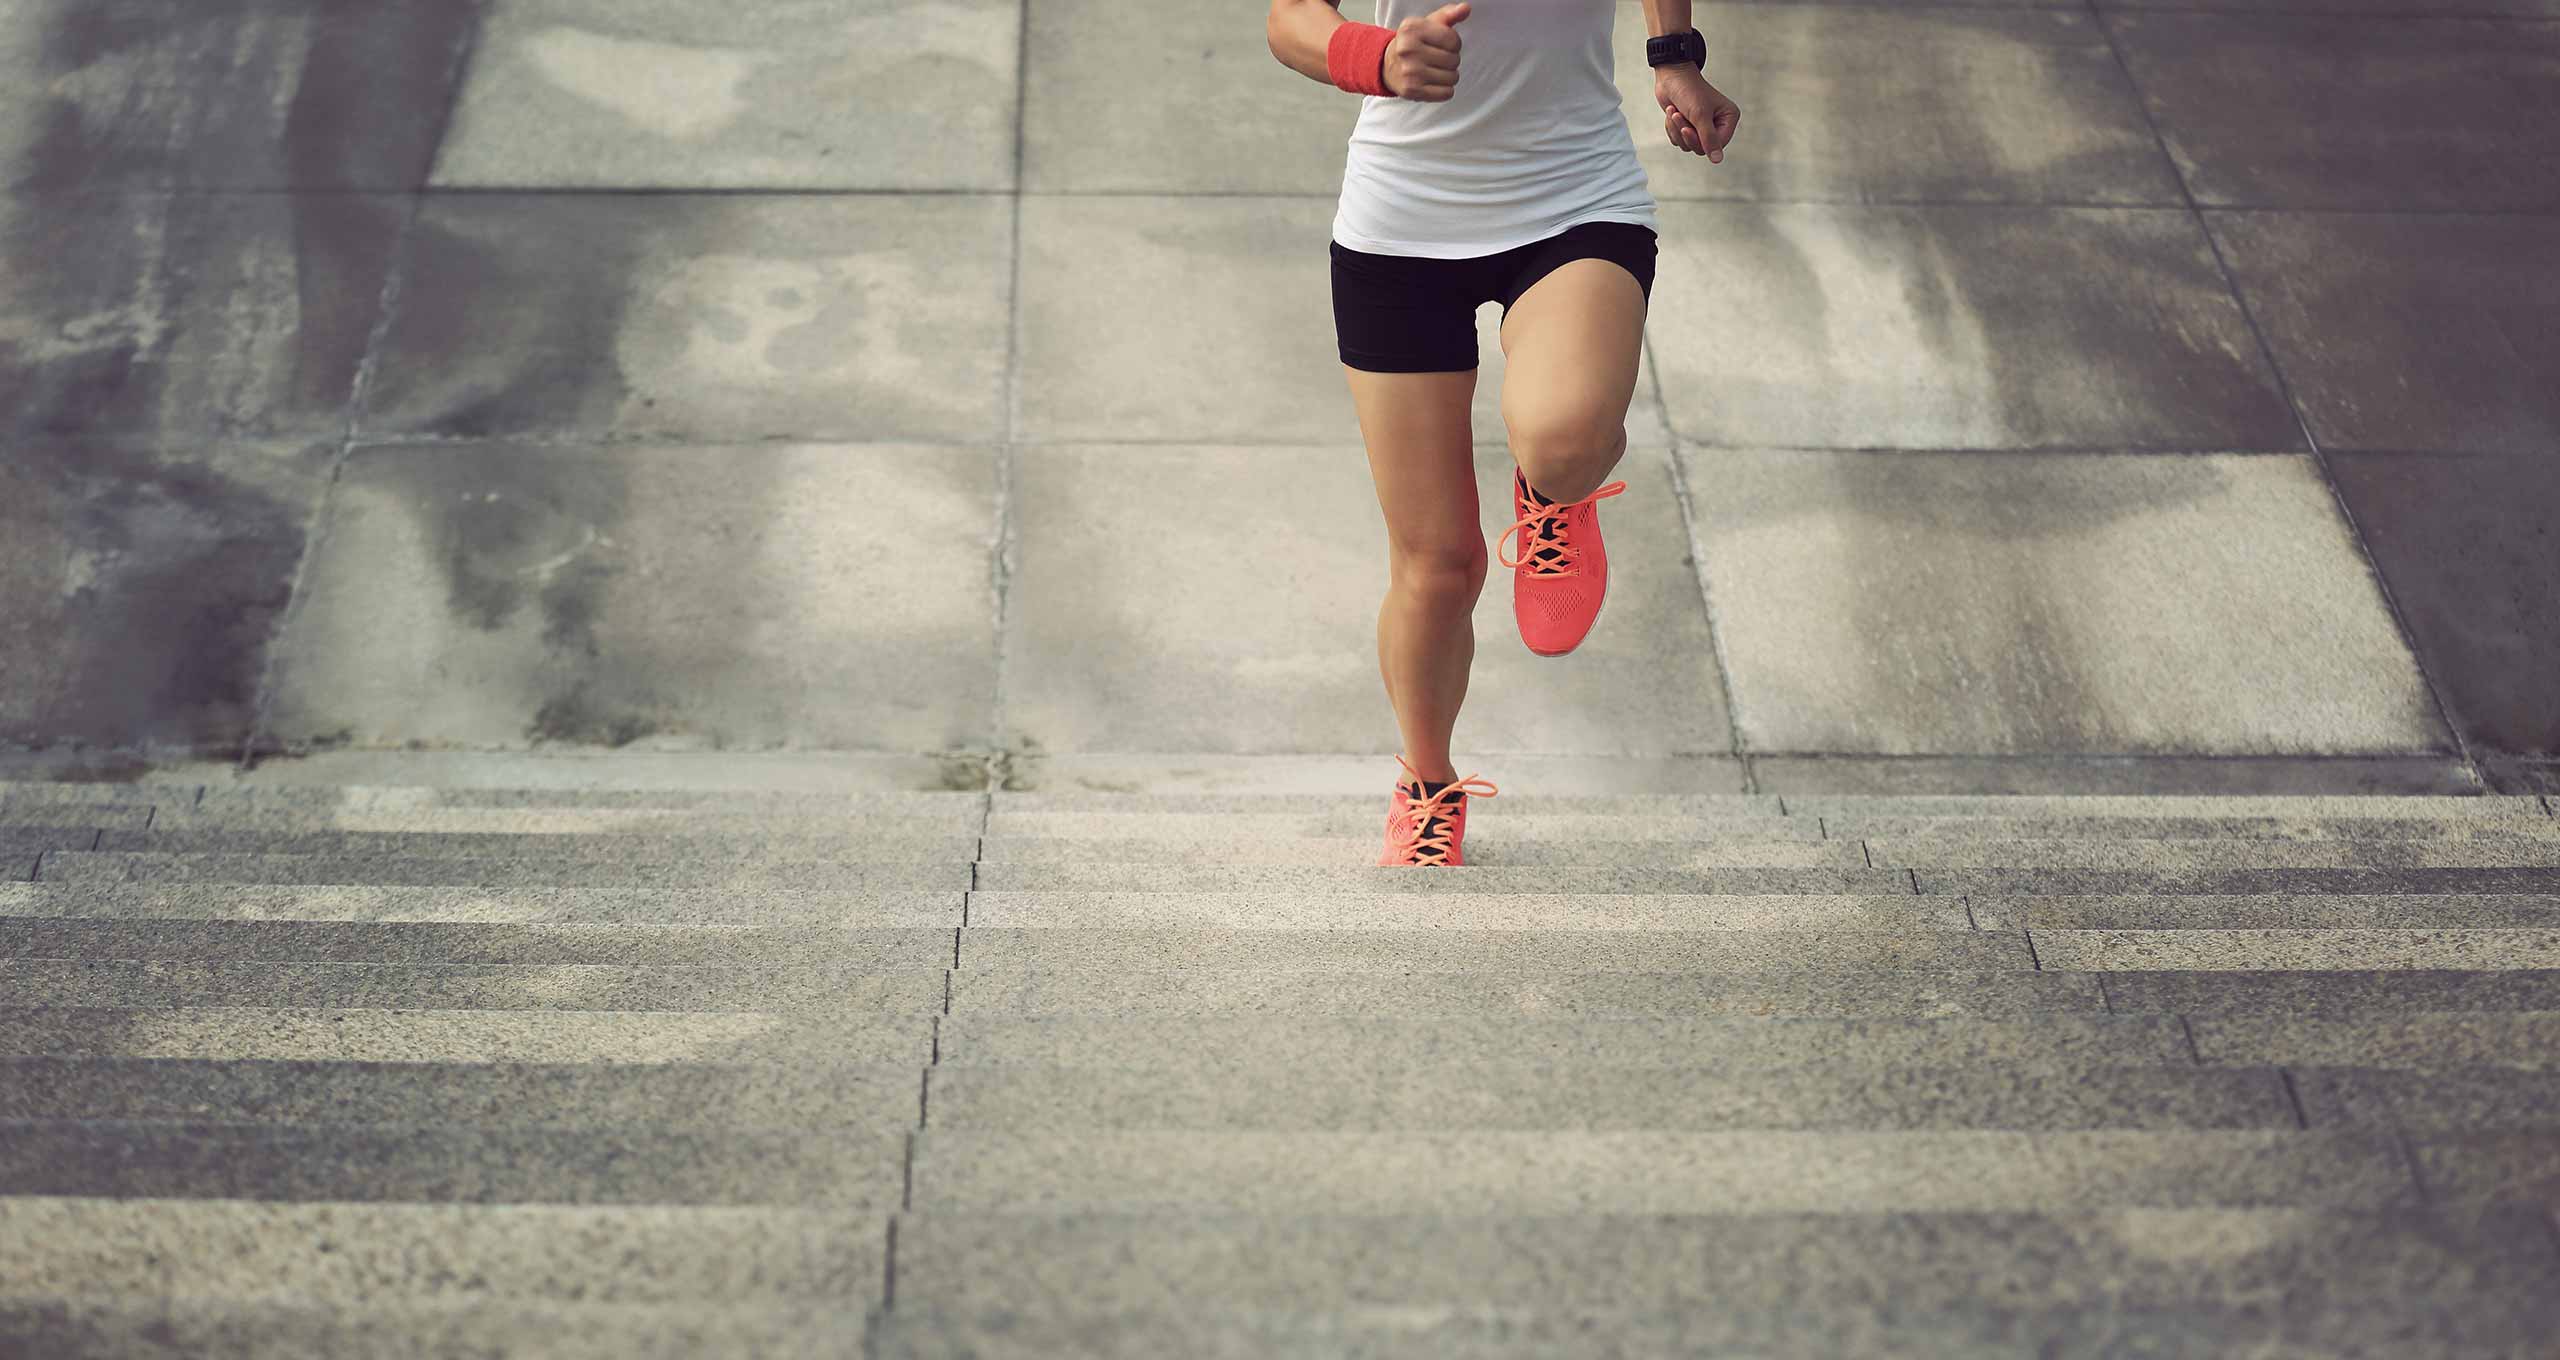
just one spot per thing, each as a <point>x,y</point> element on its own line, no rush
<point>878,347</point>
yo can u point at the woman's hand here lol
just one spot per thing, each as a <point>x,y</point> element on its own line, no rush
<point>1695,115</point>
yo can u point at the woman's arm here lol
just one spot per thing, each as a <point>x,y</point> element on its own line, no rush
<point>1300,31</point>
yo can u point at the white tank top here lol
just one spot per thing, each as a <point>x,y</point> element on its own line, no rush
<point>1533,140</point>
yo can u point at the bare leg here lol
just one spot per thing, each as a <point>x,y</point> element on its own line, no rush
<point>1421,455</point>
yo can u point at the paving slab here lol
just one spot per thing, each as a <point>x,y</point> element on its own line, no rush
<point>280,1033</point>
<point>834,989</point>
<point>1360,873</point>
<point>322,1329</point>
<point>1706,807</point>
<point>2150,855</point>
<point>748,317</point>
<point>513,905</point>
<point>48,817</point>
<point>232,94</point>
<point>1514,1095</point>
<point>621,1165</point>
<point>627,824</point>
<point>2284,993</point>
<point>854,875</point>
<point>1955,326</point>
<point>1428,993</point>
<point>662,94</point>
<point>2465,543</point>
<point>17,795</point>
<point>370,1250</point>
<point>2441,773</point>
<point>2263,109</point>
<point>19,842</point>
<point>1562,1172</point>
<point>2490,1168</point>
<point>2527,824</point>
<point>877,843</point>
<point>1459,946</point>
<point>499,595</point>
<point>1729,1042</point>
<point>2334,911</point>
<point>431,942</point>
<point>696,1097</point>
<point>2086,882</point>
<point>2447,1100</point>
<point>1481,911</point>
<point>2098,811</point>
<point>1488,845</point>
<point>642,801</point>
<point>1367,820</point>
<point>2529,1040</point>
<point>2121,603</point>
<point>140,577</point>
<point>2352,950</point>
<point>2476,1265</point>
<point>1124,521</point>
<point>180,318</point>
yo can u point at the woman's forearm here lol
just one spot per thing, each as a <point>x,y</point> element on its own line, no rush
<point>1666,16</point>
<point>1300,32</point>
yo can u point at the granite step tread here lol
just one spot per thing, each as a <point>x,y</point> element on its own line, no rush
<point>1369,823</point>
<point>2096,806</point>
<point>1516,1095</point>
<point>2437,1100</point>
<point>2417,1040</point>
<point>1106,948</point>
<point>1359,873</point>
<point>1488,846</point>
<point>2308,950</point>
<point>2466,1264</point>
<point>272,1328</point>
<point>1727,1042</point>
<point>877,875</point>
<point>373,1249</point>
<point>1493,991</point>
<point>779,825</point>
<point>1626,1172</point>
<point>815,988</point>
<point>2527,824</point>
<point>2346,993</point>
<point>820,1093</point>
<point>420,942</point>
<point>869,846</point>
<point>467,905</point>
<point>2087,882</point>
<point>1493,911</point>
<point>2277,911</point>
<point>2153,856</point>
<point>615,1164</point>
<point>449,1036</point>
<point>1711,806</point>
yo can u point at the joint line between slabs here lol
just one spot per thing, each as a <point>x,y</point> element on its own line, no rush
<point>889,1269</point>
<point>2187,1027</point>
<point>2293,1096</point>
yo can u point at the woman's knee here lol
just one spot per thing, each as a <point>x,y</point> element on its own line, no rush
<point>1447,574</point>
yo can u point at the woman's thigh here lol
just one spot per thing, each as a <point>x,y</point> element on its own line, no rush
<point>1407,332</point>
<point>1572,333</point>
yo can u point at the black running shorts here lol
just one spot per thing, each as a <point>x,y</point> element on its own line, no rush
<point>1416,314</point>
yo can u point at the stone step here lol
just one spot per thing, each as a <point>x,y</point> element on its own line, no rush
<point>2100,950</point>
<point>587,1165</point>
<point>2333,911</point>
<point>431,942</point>
<point>2098,882</point>
<point>1723,1043</point>
<point>2439,1100</point>
<point>2494,1167</point>
<point>1360,875</point>
<point>837,875</point>
<point>2520,824</point>
<point>2381,993</point>
<point>1300,1171</point>
<point>1500,1094</point>
<point>1871,1330</point>
<point>2476,1273</point>
<point>1368,823</point>
<point>798,988</point>
<point>1107,949</point>
<point>2176,856</point>
<point>886,846</point>
<point>1373,806</point>
<point>390,797</point>
<point>689,1097</point>
<point>2095,806</point>
<point>509,906</point>
<point>459,1036</point>
<point>20,844</point>
<point>1485,911</point>
<point>471,1252</point>
<point>2416,1040</point>
<point>20,794</point>
<point>1494,993</point>
<point>1486,847</point>
<point>272,1328</point>
<point>46,816</point>
<point>778,825</point>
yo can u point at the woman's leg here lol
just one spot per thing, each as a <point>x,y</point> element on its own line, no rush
<point>1422,457</point>
<point>1570,344</point>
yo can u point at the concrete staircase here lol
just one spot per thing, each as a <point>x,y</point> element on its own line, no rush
<point>396,1072</point>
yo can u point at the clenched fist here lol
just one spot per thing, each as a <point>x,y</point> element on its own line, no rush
<point>1422,60</point>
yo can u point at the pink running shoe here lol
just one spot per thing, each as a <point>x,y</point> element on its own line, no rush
<point>1430,830</point>
<point>1562,574</point>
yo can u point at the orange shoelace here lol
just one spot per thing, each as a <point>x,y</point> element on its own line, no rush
<point>1420,832</point>
<point>1544,545</point>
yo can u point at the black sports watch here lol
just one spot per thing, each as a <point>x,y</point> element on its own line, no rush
<point>1677,47</point>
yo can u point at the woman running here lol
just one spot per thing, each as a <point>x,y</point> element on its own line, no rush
<point>1522,188</point>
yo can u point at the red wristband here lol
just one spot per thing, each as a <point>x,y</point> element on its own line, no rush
<point>1356,57</point>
